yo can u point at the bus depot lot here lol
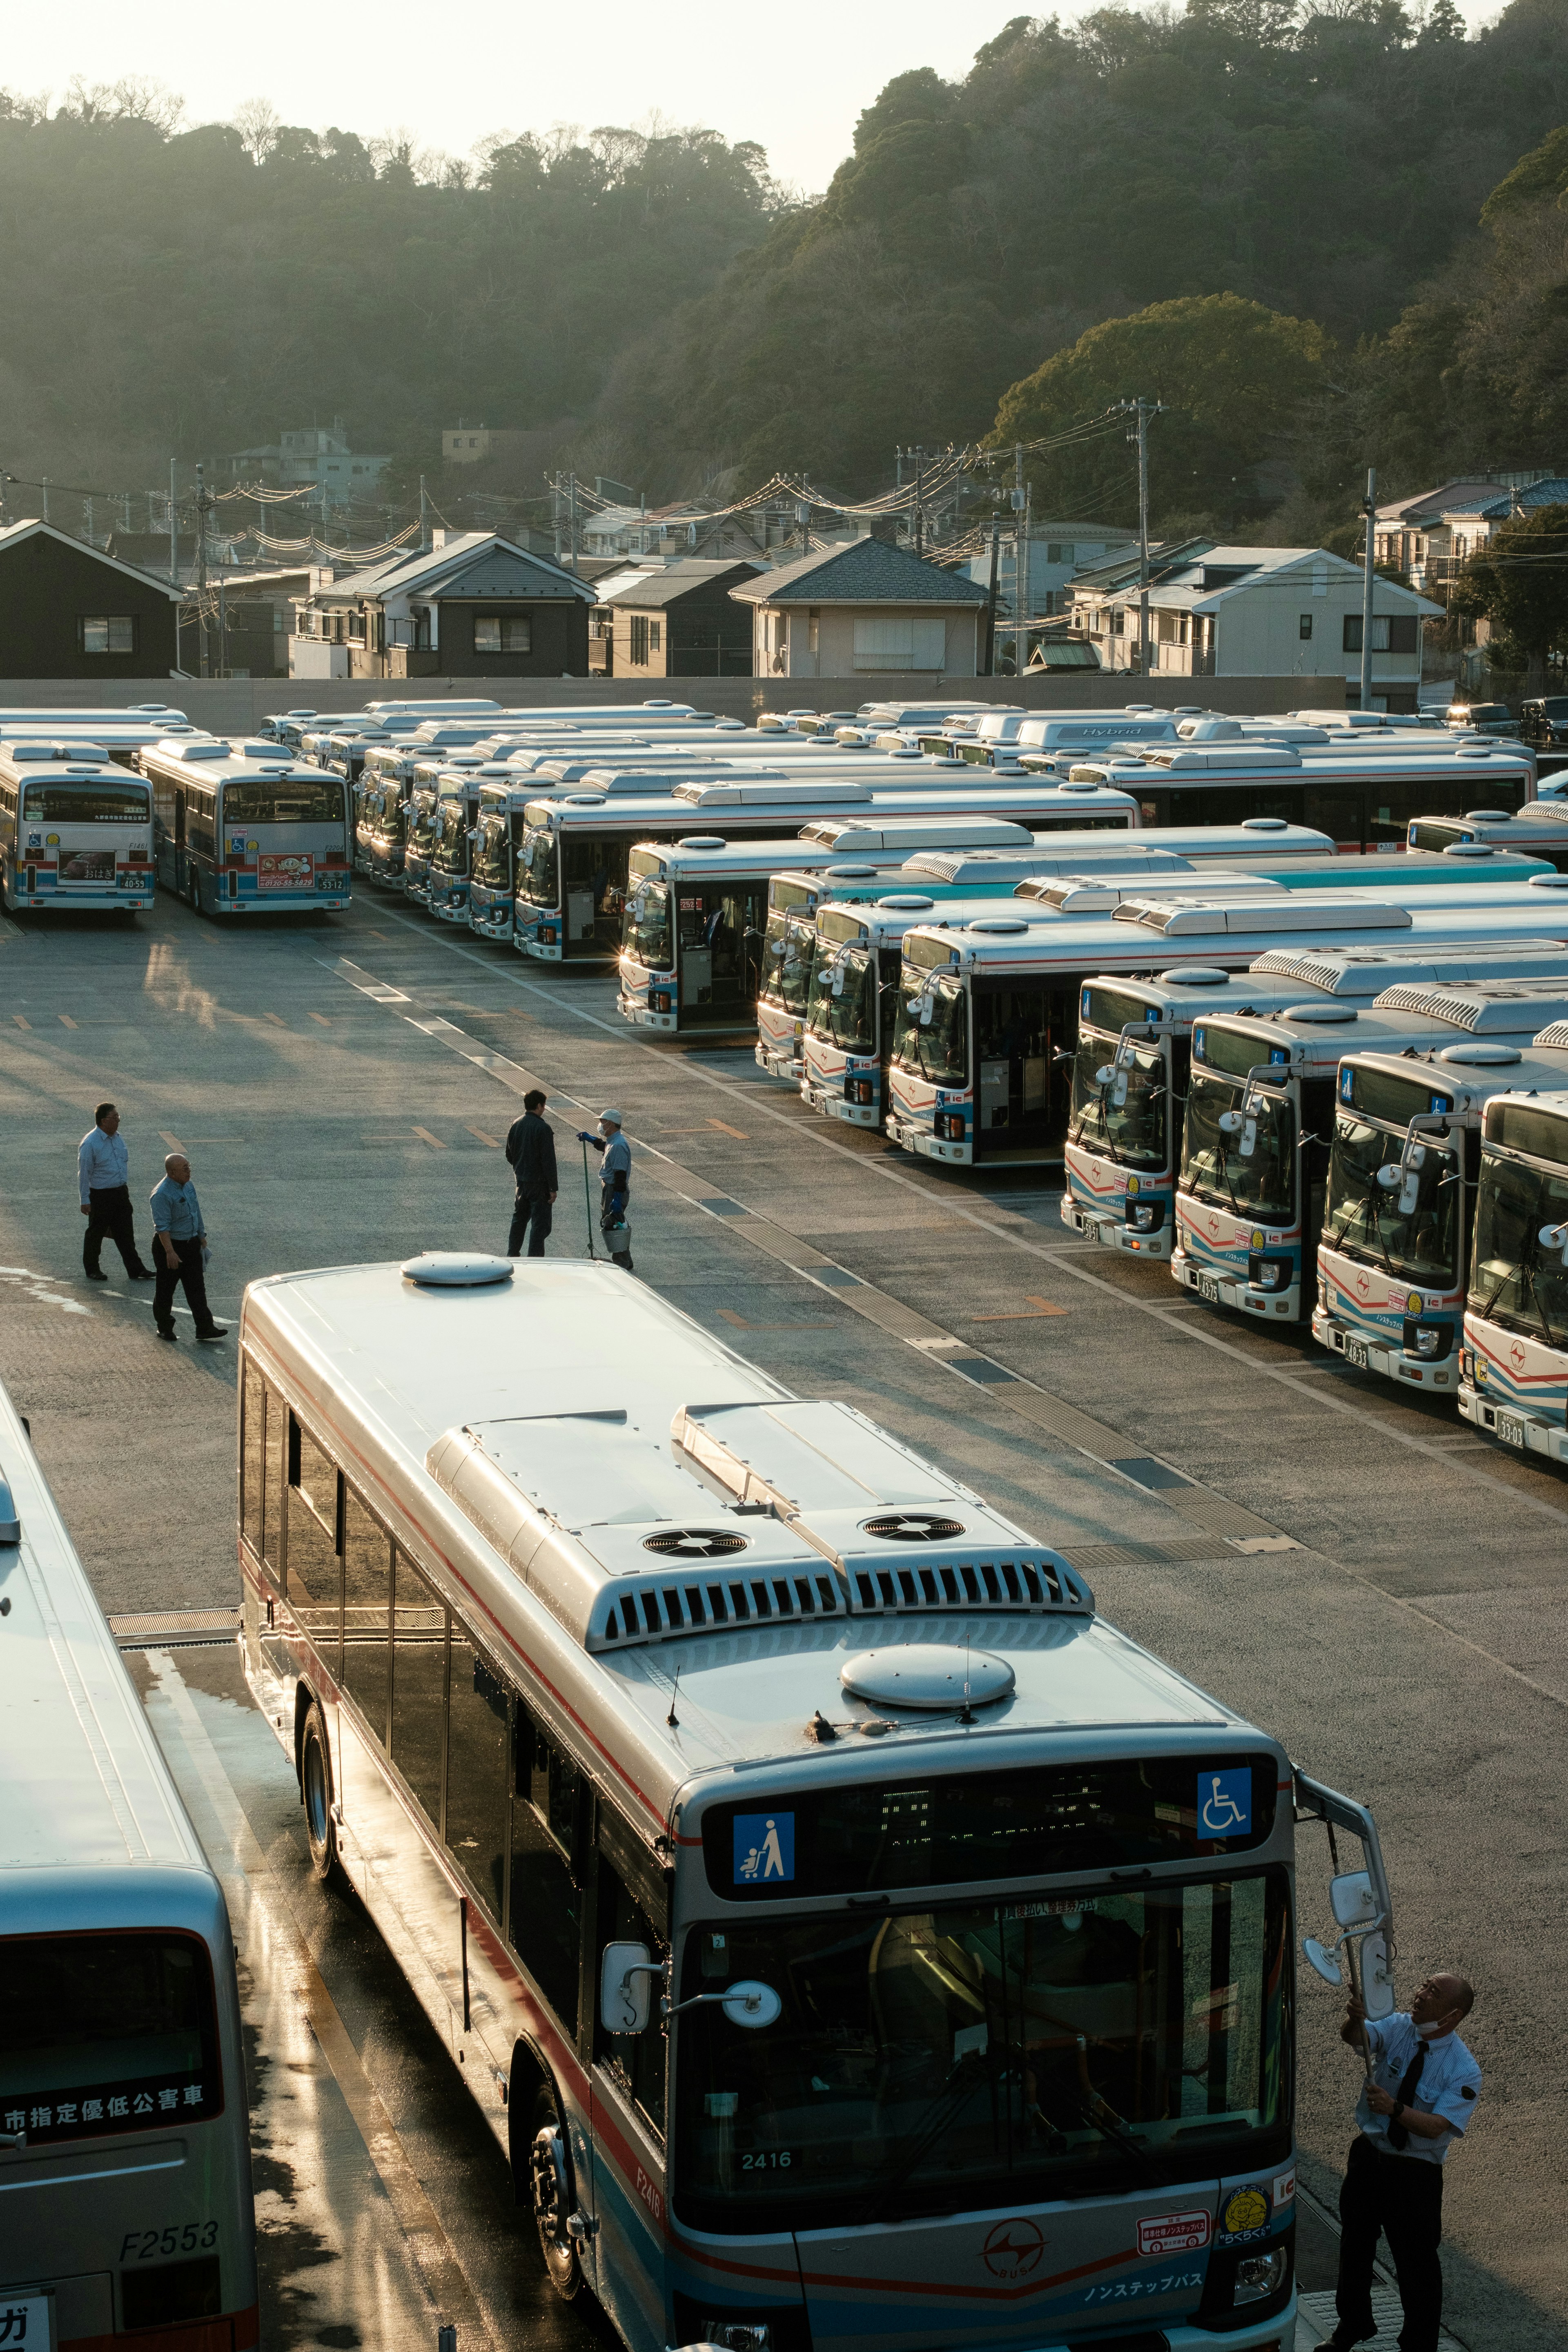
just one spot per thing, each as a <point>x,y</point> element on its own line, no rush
<point>1352,1567</point>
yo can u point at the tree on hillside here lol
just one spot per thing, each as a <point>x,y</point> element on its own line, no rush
<point>1232,377</point>
<point>1518,581</point>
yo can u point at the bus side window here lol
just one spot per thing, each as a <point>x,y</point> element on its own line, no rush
<point>312,1546</point>
<point>637,2060</point>
<point>418,1683</point>
<point>546,1911</point>
<point>252,1452</point>
<point>272,1508</point>
<point>477,1771</point>
<point>367,1607</point>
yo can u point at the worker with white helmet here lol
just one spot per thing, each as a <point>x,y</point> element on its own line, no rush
<point>614,1185</point>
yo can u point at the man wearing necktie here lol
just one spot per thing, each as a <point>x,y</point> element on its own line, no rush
<point>1421,2090</point>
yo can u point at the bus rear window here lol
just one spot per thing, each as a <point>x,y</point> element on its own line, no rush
<point>91,804</point>
<point>960,1828</point>
<point>290,800</point>
<point>105,2033</point>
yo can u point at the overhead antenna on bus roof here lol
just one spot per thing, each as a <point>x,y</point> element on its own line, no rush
<point>967,1715</point>
<point>672,1718</point>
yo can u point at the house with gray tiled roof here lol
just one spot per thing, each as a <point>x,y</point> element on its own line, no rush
<point>870,608</point>
<point>475,605</point>
<point>1427,537</point>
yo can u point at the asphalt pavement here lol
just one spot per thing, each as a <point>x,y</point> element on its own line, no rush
<point>1349,1566</point>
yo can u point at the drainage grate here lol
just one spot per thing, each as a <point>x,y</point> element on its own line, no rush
<point>174,1629</point>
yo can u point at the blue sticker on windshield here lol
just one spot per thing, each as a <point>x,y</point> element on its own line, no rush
<point>1279,1053</point>
<point>1347,1083</point>
<point>1225,1803</point>
<point>764,1846</point>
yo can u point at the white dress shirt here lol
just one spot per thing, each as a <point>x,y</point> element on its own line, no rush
<point>102,1162</point>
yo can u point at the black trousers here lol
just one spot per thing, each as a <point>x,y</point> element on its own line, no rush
<point>531,1219</point>
<point>109,1218</point>
<point>1401,2198</point>
<point>187,1276</point>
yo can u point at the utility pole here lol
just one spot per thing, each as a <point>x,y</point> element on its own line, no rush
<point>1020,563</point>
<point>222,627</point>
<point>174,531</point>
<point>45,488</point>
<point>1142,411</point>
<point>919,502</point>
<point>423,518</point>
<point>91,541</point>
<point>572,518</point>
<point>991,602</point>
<point>202,568</point>
<point>1369,509</point>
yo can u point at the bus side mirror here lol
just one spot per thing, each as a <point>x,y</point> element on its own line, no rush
<point>1115,1080</point>
<point>1554,1237</point>
<point>924,1010</point>
<point>625,1992</point>
<point>1241,1123</point>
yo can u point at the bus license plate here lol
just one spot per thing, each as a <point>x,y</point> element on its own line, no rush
<point>1208,1287</point>
<point>1355,1353</point>
<point>1511,1429</point>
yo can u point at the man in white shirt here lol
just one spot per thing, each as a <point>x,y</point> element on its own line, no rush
<point>1421,2092</point>
<point>103,1180</point>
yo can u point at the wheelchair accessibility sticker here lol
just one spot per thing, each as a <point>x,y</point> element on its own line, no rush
<point>1225,1803</point>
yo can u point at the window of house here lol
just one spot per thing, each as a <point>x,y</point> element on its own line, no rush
<point>1118,621</point>
<point>1402,633</point>
<point>1305,629</point>
<point>1381,624</point>
<point>498,634</point>
<point>106,633</point>
<point>901,644</point>
<point>639,637</point>
<point>654,628</point>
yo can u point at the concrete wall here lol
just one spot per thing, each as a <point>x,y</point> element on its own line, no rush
<point>233,706</point>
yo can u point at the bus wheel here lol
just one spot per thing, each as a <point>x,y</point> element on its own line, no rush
<point>549,2171</point>
<point>316,1794</point>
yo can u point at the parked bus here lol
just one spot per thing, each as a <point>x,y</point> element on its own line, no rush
<point>1000,735</point>
<point>1513,1364</point>
<point>236,837</point>
<point>1038,1978</point>
<point>124,2127</point>
<point>1131,1068</point>
<point>119,741</point>
<point>984,1048</point>
<point>1261,1123</point>
<point>1539,830</point>
<point>1393,1259</point>
<point>451,851</point>
<point>76,832</point>
<point>68,717</point>
<point>1361,798</point>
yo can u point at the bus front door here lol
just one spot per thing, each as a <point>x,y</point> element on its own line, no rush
<point>1022,1091</point>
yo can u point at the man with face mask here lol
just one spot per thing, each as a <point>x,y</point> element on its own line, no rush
<point>614,1185</point>
<point>1422,2091</point>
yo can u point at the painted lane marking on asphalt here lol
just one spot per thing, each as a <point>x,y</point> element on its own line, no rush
<point>44,1288</point>
<point>64,1020</point>
<point>433,1140</point>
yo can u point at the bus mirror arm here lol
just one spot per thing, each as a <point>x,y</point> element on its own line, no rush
<point>749,2003</point>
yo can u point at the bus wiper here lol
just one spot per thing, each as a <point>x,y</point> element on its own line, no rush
<point>970,2071</point>
<point>1105,2120</point>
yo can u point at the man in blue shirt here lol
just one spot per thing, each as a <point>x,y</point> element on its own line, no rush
<point>103,1180</point>
<point>179,1244</point>
<point>1420,2092</point>
<point>614,1186</point>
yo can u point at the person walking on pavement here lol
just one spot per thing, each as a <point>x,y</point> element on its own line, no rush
<point>103,1180</point>
<point>1422,2091</point>
<point>179,1244</point>
<point>614,1186</point>
<point>530,1153</point>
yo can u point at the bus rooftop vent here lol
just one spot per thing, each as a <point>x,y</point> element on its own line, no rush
<point>455,1269</point>
<point>694,1543</point>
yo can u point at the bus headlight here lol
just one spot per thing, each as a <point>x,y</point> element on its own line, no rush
<point>659,1000</point>
<point>1268,1273</point>
<point>949,1126</point>
<point>861,1090</point>
<point>1145,1216</point>
<point>1427,1341</point>
<point>1258,2276</point>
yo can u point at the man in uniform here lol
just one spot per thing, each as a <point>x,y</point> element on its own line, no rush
<point>614,1186</point>
<point>1422,2091</point>
<point>179,1244</point>
<point>103,1180</point>
<point>530,1153</point>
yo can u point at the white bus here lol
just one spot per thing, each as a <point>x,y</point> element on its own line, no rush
<point>1361,798</point>
<point>595,1652</point>
<point>1513,1364</point>
<point>236,837</point>
<point>76,832</point>
<point>124,2129</point>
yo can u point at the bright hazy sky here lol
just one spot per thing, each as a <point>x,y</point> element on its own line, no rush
<point>793,78</point>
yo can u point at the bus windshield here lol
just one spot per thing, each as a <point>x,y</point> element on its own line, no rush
<point>1262,1183</point>
<point>86,803</point>
<point>1134,1131</point>
<point>422,822</point>
<point>645,931</point>
<point>1363,1219</point>
<point>844,997</point>
<point>539,867</point>
<point>451,848</point>
<point>491,849</point>
<point>789,951</point>
<point>1517,1281</point>
<point>292,800</point>
<point>986,2052</point>
<point>938,1048</point>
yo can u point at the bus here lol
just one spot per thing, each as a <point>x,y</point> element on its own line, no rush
<point>76,832</point>
<point>74,715</point>
<point>124,2127</point>
<point>984,1046</point>
<point>118,740</point>
<point>1133,1065</point>
<point>458,797</point>
<point>236,837</point>
<point>1000,734</point>
<point>1260,1124</point>
<point>1539,831</point>
<point>595,1682</point>
<point>1361,798</point>
<point>1393,1260</point>
<point>1513,1363</point>
<point>572,868</point>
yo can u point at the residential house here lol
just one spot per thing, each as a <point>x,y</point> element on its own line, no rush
<point>1057,551</point>
<point>1426,536</point>
<point>868,608</point>
<point>75,612</point>
<point>1255,611</point>
<point>474,604</point>
<point>673,620</point>
<point>318,456</point>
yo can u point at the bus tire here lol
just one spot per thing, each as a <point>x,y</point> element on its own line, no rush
<point>552,2194</point>
<point>316,1793</point>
